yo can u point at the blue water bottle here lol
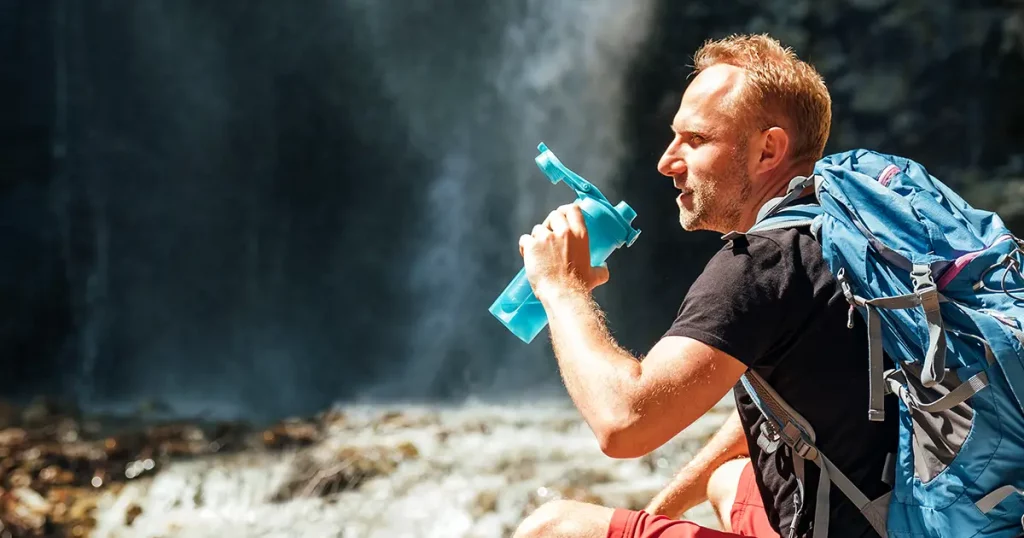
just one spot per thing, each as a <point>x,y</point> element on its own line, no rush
<point>609,227</point>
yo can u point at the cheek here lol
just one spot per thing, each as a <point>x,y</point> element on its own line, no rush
<point>711,164</point>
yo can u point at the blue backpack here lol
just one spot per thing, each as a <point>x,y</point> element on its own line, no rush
<point>941,289</point>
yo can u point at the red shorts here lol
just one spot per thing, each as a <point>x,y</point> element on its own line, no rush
<point>747,517</point>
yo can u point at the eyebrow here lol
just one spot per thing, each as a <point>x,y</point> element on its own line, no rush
<point>701,129</point>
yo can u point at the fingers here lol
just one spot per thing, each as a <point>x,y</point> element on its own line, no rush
<point>525,241</point>
<point>567,219</point>
<point>556,223</point>
<point>574,217</point>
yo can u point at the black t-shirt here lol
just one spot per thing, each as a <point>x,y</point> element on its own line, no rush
<point>769,300</point>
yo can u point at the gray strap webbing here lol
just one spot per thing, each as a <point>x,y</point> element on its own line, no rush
<point>798,470</point>
<point>803,447</point>
<point>878,512</point>
<point>876,407</point>
<point>926,296</point>
<point>935,359</point>
<point>953,398</point>
<point>794,223</point>
<point>821,514</point>
<point>876,364</point>
<point>988,502</point>
<point>831,473</point>
<point>795,189</point>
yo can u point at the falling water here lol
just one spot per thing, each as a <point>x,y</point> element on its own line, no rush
<point>323,206</point>
<point>481,99</point>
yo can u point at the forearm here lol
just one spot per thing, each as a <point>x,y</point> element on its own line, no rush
<point>599,375</point>
<point>689,487</point>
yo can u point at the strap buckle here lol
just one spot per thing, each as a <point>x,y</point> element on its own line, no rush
<point>769,438</point>
<point>922,276</point>
<point>844,284</point>
<point>805,450</point>
<point>793,437</point>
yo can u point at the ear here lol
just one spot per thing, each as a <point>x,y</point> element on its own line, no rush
<point>774,145</point>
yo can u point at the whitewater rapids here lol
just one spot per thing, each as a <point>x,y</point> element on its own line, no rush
<point>476,470</point>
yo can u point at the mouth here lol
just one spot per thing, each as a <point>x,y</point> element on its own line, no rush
<point>684,198</point>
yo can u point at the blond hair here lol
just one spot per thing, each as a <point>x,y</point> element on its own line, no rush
<point>781,90</point>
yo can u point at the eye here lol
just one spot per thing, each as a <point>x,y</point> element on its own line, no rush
<point>696,140</point>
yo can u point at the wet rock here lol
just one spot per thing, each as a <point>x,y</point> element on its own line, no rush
<point>24,511</point>
<point>396,420</point>
<point>131,514</point>
<point>124,445</point>
<point>408,450</point>
<point>19,478</point>
<point>55,476</point>
<point>324,472</point>
<point>229,436</point>
<point>174,432</point>
<point>332,418</point>
<point>291,433</point>
<point>72,506</point>
<point>13,437</point>
<point>54,463</point>
<point>484,503</point>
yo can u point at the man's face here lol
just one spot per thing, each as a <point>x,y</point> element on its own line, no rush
<point>708,157</point>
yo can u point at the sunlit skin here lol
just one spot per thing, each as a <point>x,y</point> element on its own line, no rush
<point>726,169</point>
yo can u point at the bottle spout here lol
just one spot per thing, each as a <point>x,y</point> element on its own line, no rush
<point>628,214</point>
<point>556,171</point>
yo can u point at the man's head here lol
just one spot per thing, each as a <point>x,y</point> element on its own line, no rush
<point>753,117</point>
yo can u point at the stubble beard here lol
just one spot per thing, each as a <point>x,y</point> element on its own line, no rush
<point>717,202</point>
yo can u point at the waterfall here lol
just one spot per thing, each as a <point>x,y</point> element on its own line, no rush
<point>480,99</point>
<point>267,207</point>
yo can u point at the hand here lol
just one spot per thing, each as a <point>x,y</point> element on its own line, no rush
<point>558,252</point>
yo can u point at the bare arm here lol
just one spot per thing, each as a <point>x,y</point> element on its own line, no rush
<point>689,487</point>
<point>631,407</point>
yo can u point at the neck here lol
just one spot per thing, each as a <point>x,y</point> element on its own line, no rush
<point>771,187</point>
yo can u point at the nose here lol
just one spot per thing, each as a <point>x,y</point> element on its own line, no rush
<point>672,163</point>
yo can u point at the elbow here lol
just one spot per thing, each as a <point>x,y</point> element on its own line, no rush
<point>619,439</point>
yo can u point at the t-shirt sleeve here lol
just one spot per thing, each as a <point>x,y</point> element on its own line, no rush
<point>744,301</point>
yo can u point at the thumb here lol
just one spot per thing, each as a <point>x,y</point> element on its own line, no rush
<point>600,275</point>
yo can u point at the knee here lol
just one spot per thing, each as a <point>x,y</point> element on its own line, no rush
<point>721,489</point>
<point>723,481</point>
<point>549,520</point>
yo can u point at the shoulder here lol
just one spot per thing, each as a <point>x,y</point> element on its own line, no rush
<point>752,293</point>
<point>761,257</point>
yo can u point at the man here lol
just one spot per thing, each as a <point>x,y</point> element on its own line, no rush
<point>753,118</point>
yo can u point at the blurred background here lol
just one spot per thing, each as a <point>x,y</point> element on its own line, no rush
<point>251,210</point>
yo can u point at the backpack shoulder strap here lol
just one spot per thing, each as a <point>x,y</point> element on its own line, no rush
<point>784,424</point>
<point>779,213</point>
